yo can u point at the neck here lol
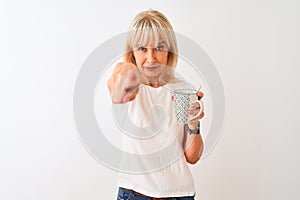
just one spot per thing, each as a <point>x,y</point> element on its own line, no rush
<point>155,85</point>
<point>153,81</point>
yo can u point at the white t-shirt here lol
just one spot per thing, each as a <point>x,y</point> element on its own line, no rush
<point>159,168</point>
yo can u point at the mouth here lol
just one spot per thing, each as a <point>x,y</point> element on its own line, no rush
<point>151,68</point>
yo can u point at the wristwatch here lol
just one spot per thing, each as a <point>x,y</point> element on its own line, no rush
<point>196,131</point>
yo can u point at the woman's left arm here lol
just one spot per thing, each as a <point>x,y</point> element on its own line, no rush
<point>193,148</point>
<point>193,144</point>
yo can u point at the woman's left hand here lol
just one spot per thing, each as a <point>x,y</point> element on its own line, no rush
<point>193,124</point>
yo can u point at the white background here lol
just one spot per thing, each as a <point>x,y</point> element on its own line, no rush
<point>254,45</point>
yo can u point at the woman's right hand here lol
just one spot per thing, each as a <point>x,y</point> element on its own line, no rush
<point>124,82</point>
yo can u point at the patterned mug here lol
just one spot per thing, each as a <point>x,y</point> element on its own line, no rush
<point>183,99</point>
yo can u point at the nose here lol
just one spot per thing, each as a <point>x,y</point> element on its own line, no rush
<point>150,55</point>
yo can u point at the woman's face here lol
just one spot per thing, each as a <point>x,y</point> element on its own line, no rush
<point>151,59</point>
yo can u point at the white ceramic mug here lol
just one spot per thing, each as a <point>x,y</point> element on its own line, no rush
<point>183,99</point>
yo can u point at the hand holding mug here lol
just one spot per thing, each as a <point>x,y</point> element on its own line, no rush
<point>187,106</point>
<point>193,124</point>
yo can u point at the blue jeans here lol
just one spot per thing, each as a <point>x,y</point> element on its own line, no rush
<point>127,195</point>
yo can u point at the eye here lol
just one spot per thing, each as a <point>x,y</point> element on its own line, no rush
<point>160,47</point>
<point>141,48</point>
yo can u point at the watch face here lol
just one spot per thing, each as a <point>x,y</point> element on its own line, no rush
<point>194,131</point>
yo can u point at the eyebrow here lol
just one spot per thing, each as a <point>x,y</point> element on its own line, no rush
<point>162,42</point>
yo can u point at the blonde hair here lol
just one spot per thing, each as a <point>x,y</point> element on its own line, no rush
<point>152,25</point>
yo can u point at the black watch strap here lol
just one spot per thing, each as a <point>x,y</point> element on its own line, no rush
<point>196,131</point>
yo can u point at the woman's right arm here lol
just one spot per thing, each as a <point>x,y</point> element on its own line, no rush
<point>124,82</point>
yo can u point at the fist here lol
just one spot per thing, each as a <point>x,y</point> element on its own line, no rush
<point>124,82</point>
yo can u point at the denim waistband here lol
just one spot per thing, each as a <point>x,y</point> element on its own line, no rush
<point>127,194</point>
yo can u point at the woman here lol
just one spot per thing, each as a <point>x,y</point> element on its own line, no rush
<point>146,78</point>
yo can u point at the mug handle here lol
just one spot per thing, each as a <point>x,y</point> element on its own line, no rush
<point>200,111</point>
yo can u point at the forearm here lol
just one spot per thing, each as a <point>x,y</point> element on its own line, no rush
<point>193,147</point>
